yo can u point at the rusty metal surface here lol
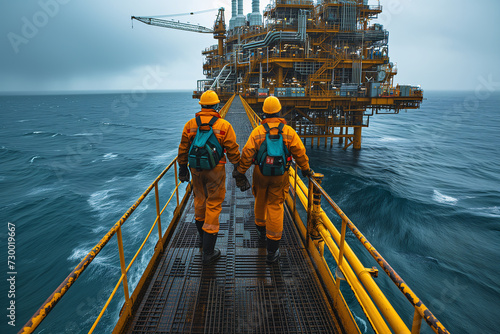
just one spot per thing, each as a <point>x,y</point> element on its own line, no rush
<point>240,293</point>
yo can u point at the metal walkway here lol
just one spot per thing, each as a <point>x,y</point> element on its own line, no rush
<point>240,293</point>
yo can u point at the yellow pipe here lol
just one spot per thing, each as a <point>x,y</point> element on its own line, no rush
<point>341,248</point>
<point>378,296</point>
<point>387,310</point>
<point>363,297</point>
<point>431,320</point>
<point>324,271</point>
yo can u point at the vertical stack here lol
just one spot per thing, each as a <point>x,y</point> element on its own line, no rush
<point>255,18</point>
<point>233,14</point>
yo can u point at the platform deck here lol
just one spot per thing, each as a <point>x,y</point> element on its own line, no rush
<point>240,293</point>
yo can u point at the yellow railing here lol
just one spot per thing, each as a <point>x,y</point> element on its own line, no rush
<point>225,108</point>
<point>252,116</point>
<point>318,230</point>
<point>56,296</point>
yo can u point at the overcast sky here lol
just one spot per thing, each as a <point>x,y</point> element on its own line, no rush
<point>54,45</point>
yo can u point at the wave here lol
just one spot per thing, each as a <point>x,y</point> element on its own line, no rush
<point>164,158</point>
<point>81,252</point>
<point>33,159</point>
<point>43,133</point>
<point>493,211</point>
<point>142,128</point>
<point>391,139</point>
<point>444,199</point>
<point>362,322</point>
<point>40,190</point>
<point>98,229</point>
<point>101,201</point>
<point>83,134</point>
<point>109,156</point>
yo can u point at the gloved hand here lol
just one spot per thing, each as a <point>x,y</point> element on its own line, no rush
<point>241,180</point>
<point>307,172</point>
<point>183,173</point>
<point>236,174</point>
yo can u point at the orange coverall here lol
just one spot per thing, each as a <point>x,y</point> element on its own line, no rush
<point>209,186</point>
<point>270,191</point>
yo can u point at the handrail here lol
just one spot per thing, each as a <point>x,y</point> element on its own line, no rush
<point>319,230</point>
<point>56,296</point>
<point>252,116</point>
<point>225,108</point>
<point>419,306</point>
<point>216,80</point>
<point>124,274</point>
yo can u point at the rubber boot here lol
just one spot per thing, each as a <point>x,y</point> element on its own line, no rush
<point>273,251</point>
<point>199,227</point>
<point>261,232</point>
<point>210,253</point>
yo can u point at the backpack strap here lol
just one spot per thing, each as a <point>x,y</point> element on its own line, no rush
<point>211,123</point>
<point>279,127</point>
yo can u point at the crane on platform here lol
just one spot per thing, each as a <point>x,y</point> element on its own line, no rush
<point>219,29</point>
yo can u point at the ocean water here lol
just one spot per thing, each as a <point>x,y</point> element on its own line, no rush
<point>424,189</point>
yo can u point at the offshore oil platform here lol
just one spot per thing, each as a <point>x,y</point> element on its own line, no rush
<point>328,66</point>
<point>327,63</point>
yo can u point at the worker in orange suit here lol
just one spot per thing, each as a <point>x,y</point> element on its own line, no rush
<point>208,184</point>
<point>270,191</point>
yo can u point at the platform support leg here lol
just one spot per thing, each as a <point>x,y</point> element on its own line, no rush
<point>357,138</point>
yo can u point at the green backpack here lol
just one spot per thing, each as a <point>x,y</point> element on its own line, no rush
<point>273,156</point>
<point>205,151</point>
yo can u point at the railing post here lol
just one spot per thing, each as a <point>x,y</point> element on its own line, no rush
<point>417,322</point>
<point>176,183</point>
<point>313,208</point>
<point>124,270</point>
<point>341,254</point>
<point>158,215</point>
<point>295,193</point>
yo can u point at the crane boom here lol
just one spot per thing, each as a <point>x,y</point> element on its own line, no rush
<point>219,29</point>
<point>172,24</point>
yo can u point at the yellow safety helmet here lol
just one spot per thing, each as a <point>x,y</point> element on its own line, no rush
<point>209,98</point>
<point>271,105</point>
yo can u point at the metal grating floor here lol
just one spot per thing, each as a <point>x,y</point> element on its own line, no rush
<point>240,293</point>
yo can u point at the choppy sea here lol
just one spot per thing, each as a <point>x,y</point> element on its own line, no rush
<point>424,189</point>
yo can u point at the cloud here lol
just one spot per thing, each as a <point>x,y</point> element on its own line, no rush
<point>89,45</point>
<point>445,45</point>
<point>85,45</point>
